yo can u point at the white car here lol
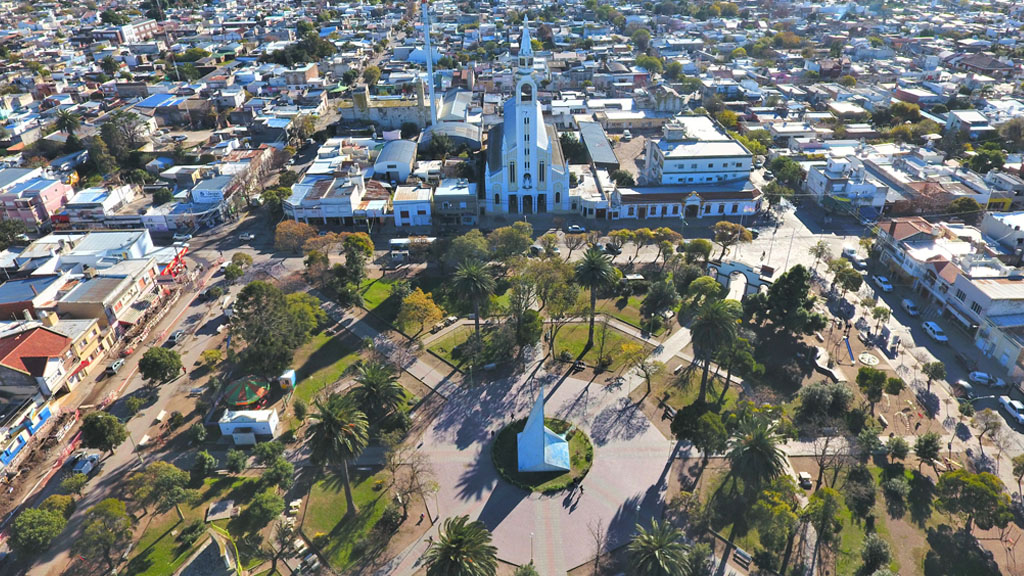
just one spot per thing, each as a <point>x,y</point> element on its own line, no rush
<point>883,283</point>
<point>987,379</point>
<point>934,331</point>
<point>85,464</point>
<point>910,307</point>
<point>182,237</point>
<point>246,236</point>
<point>1013,407</point>
<point>575,229</point>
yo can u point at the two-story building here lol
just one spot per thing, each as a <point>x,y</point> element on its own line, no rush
<point>28,195</point>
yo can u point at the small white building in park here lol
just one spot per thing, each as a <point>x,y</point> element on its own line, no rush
<point>245,427</point>
<point>540,449</point>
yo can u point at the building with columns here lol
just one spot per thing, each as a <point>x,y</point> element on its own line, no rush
<point>526,172</point>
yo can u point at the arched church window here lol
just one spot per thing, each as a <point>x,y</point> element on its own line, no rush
<point>527,93</point>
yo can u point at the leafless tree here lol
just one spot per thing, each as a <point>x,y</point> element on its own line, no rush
<point>599,533</point>
<point>409,472</point>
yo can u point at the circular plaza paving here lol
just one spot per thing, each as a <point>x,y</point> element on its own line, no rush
<point>626,483</point>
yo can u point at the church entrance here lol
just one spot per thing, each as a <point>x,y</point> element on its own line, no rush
<point>542,203</point>
<point>691,211</point>
<point>527,204</point>
<point>513,204</point>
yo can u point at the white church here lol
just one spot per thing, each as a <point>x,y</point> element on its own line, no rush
<point>526,171</point>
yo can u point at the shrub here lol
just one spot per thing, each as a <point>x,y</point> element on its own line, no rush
<point>175,420</point>
<point>191,533</point>
<point>133,404</point>
<point>198,433</point>
<point>300,408</point>
<point>390,520</point>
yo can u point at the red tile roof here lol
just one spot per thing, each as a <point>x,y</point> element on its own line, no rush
<point>903,228</point>
<point>28,351</point>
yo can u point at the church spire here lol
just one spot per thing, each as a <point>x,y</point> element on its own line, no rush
<point>526,49</point>
<point>525,43</point>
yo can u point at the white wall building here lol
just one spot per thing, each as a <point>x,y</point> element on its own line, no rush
<point>411,206</point>
<point>694,150</point>
<point>245,426</point>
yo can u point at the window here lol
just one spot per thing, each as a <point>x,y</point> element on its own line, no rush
<point>961,295</point>
<point>707,209</point>
<point>405,214</point>
<point>558,197</point>
<point>511,172</point>
<point>976,307</point>
<point>735,207</point>
<point>540,176</point>
<point>497,199</point>
<point>421,212</point>
<point>711,164</point>
<point>527,92</point>
<point>693,165</point>
<point>721,208</point>
<point>675,210</point>
<point>630,212</point>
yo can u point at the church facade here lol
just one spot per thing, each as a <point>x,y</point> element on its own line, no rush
<point>526,171</point>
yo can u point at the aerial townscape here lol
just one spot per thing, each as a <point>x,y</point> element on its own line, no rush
<point>511,288</point>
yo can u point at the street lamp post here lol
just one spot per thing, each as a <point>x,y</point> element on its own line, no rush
<point>531,547</point>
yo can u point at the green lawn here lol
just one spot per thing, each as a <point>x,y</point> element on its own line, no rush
<point>377,294</point>
<point>683,395</point>
<point>444,345</point>
<point>325,522</point>
<point>627,310</point>
<point>607,341</point>
<point>851,538</point>
<point>159,552</point>
<point>322,361</point>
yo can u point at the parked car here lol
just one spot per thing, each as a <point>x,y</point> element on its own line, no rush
<point>962,390</point>
<point>804,480</point>
<point>1013,408</point>
<point>176,336</point>
<point>910,307</point>
<point>115,366</point>
<point>179,237</point>
<point>246,236</point>
<point>987,379</point>
<point>934,331</point>
<point>883,283</point>
<point>575,229</point>
<point>85,463</point>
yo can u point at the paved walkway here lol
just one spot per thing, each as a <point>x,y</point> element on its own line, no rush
<point>626,482</point>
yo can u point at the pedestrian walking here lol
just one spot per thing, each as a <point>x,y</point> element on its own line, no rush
<point>421,519</point>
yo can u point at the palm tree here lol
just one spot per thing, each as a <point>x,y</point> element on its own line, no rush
<point>713,327</point>
<point>379,392</point>
<point>474,282</point>
<point>754,453</point>
<point>594,272</point>
<point>658,551</point>
<point>337,435</point>
<point>463,548</point>
<point>68,121</point>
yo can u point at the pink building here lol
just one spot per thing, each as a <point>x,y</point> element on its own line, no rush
<point>27,194</point>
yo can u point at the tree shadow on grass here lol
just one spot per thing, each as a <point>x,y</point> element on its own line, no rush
<point>922,493</point>
<point>332,351</point>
